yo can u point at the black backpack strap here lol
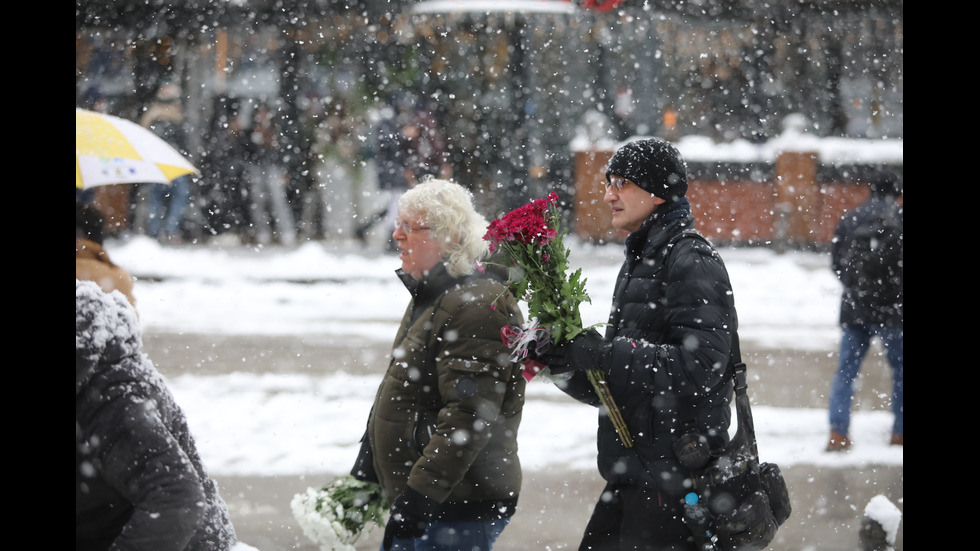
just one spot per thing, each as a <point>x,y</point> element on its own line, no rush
<point>743,409</point>
<point>737,366</point>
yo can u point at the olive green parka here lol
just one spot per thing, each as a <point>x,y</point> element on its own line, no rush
<point>446,415</point>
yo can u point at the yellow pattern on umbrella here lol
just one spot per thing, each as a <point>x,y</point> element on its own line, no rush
<point>112,150</point>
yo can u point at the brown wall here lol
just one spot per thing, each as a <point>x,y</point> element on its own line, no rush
<point>794,209</point>
<point>746,212</point>
<point>591,219</point>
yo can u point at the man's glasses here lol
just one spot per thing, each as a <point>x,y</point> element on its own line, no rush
<point>616,181</point>
<point>409,230</point>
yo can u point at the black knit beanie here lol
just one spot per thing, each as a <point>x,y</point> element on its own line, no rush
<point>653,164</point>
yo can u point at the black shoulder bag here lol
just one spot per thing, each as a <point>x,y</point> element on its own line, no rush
<point>736,503</point>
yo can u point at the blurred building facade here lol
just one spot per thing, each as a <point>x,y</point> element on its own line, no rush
<point>512,87</point>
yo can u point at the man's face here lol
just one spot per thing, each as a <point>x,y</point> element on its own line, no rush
<point>630,203</point>
<point>418,245</point>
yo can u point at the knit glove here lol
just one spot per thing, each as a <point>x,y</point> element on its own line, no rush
<point>586,351</point>
<point>410,513</point>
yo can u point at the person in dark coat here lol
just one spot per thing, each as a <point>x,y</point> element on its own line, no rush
<point>139,481</point>
<point>166,203</point>
<point>225,185</point>
<point>441,438</point>
<point>410,148</point>
<point>665,353</point>
<point>869,308</point>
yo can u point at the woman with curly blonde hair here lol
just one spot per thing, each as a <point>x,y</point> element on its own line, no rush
<point>445,211</point>
<point>441,438</point>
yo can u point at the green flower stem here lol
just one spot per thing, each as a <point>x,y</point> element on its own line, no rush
<point>598,379</point>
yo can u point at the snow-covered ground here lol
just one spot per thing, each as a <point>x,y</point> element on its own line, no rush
<point>252,423</point>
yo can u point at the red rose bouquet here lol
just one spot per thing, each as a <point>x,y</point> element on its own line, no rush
<point>531,238</point>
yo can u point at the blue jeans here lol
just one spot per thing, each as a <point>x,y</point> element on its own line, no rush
<point>166,205</point>
<point>854,344</point>
<point>477,535</point>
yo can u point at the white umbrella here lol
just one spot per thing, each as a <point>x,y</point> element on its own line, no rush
<point>112,150</point>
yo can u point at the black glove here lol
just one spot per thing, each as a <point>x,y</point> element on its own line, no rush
<point>410,513</point>
<point>586,351</point>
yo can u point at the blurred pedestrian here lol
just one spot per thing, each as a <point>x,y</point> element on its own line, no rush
<point>426,155</point>
<point>225,189</point>
<point>269,208</point>
<point>868,257</point>
<point>139,480</point>
<point>410,147</point>
<point>303,191</point>
<point>92,262</point>
<point>166,203</point>
<point>665,354</point>
<point>326,206</point>
<point>442,435</point>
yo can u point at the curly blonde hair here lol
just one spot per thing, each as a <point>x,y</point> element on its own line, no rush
<point>446,208</point>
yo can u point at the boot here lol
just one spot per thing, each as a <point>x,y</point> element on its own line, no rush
<point>898,439</point>
<point>838,442</point>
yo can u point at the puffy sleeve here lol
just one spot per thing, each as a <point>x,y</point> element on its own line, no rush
<point>144,463</point>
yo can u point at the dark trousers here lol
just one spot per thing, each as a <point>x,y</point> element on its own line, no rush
<point>636,519</point>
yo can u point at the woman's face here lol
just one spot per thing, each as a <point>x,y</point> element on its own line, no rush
<point>418,245</point>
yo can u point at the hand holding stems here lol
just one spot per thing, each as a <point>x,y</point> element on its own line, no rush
<point>587,352</point>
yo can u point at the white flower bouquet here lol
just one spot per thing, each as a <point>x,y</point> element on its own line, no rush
<point>334,516</point>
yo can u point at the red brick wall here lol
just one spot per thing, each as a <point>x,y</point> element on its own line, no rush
<point>750,212</point>
<point>739,212</point>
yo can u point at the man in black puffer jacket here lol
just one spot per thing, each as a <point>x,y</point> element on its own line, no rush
<point>665,353</point>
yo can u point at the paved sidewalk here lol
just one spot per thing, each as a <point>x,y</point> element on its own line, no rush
<point>554,506</point>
